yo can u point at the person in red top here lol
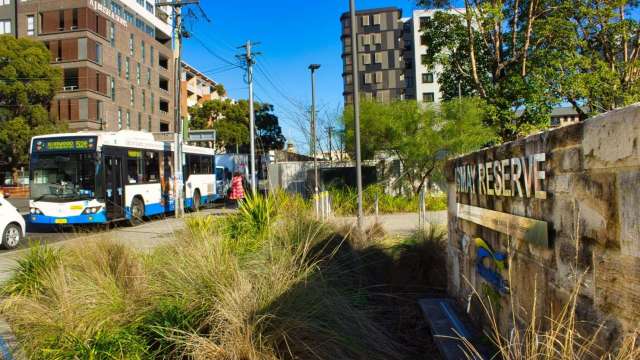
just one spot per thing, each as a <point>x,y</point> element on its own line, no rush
<point>237,189</point>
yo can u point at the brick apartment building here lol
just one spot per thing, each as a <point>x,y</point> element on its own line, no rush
<point>196,88</point>
<point>116,57</point>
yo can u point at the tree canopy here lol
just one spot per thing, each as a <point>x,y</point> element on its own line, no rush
<point>231,121</point>
<point>523,57</point>
<point>27,84</point>
<point>422,137</point>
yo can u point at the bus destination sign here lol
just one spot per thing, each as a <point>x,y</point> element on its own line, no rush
<point>64,144</point>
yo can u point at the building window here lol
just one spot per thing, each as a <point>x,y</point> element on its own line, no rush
<point>5,2</point>
<point>70,79</point>
<point>140,2</point>
<point>128,119</point>
<point>164,127</point>
<point>152,56</point>
<point>5,27</point>
<point>376,19</point>
<point>424,58</point>
<point>126,68</point>
<point>151,101</point>
<point>143,52</point>
<point>365,20</point>
<point>31,25</point>
<point>366,59</point>
<point>112,34</point>
<point>144,101</point>
<point>149,124</point>
<point>98,53</point>
<point>367,78</point>
<point>149,7</point>
<point>119,119</point>
<point>427,97</point>
<point>113,89</point>
<point>424,21</point>
<point>139,121</point>
<point>427,78</point>
<point>74,19</point>
<point>378,77</point>
<point>128,16</point>
<point>61,20</point>
<point>148,77</point>
<point>378,58</point>
<point>138,75</point>
<point>132,99</point>
<point>119,62</point>
<point>131,45</point>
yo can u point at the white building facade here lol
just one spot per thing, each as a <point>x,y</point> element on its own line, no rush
<point>427,88</point>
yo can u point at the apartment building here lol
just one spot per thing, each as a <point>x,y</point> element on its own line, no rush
<point>116,58</point>
<point>384,71</point>
<point>391,54</point>
<point>196,88</point>
<point>427,88</point>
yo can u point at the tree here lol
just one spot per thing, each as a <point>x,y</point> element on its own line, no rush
<point>532,55</point>
<point>421,137</point>
<point>27,84</point>
<point>268,131</point>
<point>231,121</point>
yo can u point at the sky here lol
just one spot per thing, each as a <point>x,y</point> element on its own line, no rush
<point>292,35</point>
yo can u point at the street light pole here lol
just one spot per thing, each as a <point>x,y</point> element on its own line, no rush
<point>313,68</point>
<point>356,109</point>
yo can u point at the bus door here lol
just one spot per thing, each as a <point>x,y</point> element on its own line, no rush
<point>114,187</point>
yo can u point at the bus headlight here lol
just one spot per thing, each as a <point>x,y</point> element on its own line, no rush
<point>35,211</point>
<point>91,210</point>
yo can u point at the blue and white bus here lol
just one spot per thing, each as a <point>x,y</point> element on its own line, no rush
<point>99,177</point>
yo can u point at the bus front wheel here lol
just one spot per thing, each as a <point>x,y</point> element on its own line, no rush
<point>137,212</point>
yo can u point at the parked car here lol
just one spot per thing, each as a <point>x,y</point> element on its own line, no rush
<point>12,226</point>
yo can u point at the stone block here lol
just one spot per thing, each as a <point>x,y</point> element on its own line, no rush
<point>629,210</point>
<point>568,160</point>
<point>617,285</point>
<point>611,139</point>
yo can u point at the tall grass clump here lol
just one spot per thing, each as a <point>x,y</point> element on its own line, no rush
<point>262,291</point>
<point>344,201</point>
<point>87,306</point>
<point>30,271</point>
<point>557,335</point>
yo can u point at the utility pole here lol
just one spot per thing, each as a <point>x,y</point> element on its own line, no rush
<point>313,68</point>
<point>248,58</point>
<point>330,131</point>
<point>356,109</point>
<point>178,180</point>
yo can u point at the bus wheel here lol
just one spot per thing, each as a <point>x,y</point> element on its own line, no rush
<point>196,201</point>
<point>137,212</point>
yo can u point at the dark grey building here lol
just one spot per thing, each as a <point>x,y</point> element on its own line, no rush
<point>384,56</point>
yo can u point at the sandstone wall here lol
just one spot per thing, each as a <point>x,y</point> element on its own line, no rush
<point>592,209</point>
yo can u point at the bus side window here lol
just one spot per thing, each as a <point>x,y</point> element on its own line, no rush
<point>205,164</point>
<point>134,167</point>
<point>151,166</point>
<point>194,164</point>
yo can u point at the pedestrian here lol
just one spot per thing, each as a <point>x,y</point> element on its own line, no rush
<point>237,190</point>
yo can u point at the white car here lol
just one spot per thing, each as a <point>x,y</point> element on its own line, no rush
<point>12,226</point>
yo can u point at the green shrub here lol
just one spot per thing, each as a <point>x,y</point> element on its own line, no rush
<point>344,201</point>
<point>28,275</point>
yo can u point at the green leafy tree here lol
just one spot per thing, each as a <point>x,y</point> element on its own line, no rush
<point>268,130</point>
<point>523,57</point>
<point>421,137</point>
<point>27,84</point>
<point>231,121</point>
